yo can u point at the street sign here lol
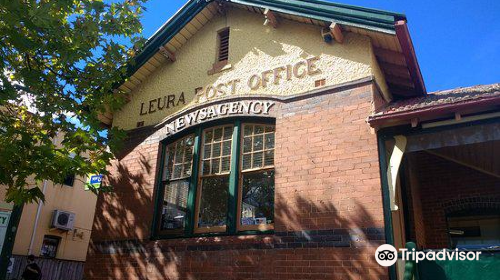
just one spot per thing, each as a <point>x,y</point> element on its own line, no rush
<point>94,180</point>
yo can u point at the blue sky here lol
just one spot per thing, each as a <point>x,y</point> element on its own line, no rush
<point>457,42</point>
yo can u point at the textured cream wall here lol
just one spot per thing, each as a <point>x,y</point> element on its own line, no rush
<point>253,48</point>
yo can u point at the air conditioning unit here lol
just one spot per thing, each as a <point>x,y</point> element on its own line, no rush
<point>63,220</point>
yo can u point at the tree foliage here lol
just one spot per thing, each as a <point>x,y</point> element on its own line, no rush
<point>60,61</point>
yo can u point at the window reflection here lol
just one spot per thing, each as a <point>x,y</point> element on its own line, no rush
<point>257,206</point>
<point>176,177</point>
<point>214,179</point>
<point>214,198</point>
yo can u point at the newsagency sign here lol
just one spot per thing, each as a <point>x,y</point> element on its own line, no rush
<point>237,108</point>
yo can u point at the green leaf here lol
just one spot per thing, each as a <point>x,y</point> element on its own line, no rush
<point>68,54</point>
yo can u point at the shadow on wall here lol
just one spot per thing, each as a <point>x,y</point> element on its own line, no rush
<point>343,252</point>
<point>126,211</point>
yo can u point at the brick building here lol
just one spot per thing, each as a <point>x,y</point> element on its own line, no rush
<point>288,140</point>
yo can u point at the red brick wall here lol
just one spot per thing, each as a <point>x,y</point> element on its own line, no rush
<point>328,206</point>
<point>442,186</point>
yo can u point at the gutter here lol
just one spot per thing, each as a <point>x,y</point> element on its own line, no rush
<point>433,112</point>
<point>406,43</point>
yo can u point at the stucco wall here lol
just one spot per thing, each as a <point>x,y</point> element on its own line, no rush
<point>254,48</point>
<point>73,199</point>
<point>73,245</point>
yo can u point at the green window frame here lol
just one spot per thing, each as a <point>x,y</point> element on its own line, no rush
<point>216,155</point>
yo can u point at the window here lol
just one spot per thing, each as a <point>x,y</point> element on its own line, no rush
<point>219,180</point>
<point>49,246</point>
<point>176,175</point>
<point>213,187</point>
<point>256,191</point>
<point>69,180</point>
<point>474,231</point>
<point>223,45</point>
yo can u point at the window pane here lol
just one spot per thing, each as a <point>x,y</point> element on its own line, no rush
<point>174,205</point>
<point>69,180</point>
<point>178,154</point>
<point>179,159</point>
<point>270,141</point>
<point>177,171</point>
<point>247,144</point>
<point>49,246</point>
<point>258,147</point>
<point>188,154</point>
<point>269,158</point>
<point>213,204</point>
<point>225,165</point>
<point>207,151</point>
<point>216,149</point>
<point>218,134</point>
<point>208,136</point>
<point>248,130</point>
<point>258,129</point>
<point>247,161</point>
<point>215,166</point>
<point>226,148</point>
<point>228,133</point>
<point>186,172</point>
<point>206,167</point>
<point>257,160</point>
<point>258,143</point>
<point>470,231</point>
<point>257,205</point>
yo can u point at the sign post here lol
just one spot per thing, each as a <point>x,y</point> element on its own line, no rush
<point>8,234</point>
<point>4,223</point>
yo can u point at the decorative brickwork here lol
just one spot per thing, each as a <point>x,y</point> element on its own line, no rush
<point>472,203</point>
<point>328,205</point>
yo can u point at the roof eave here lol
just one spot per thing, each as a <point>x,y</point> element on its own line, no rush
<point>431,113</point>
<point>166,32</point>
<point>406,44</point>
<point>381,21</point>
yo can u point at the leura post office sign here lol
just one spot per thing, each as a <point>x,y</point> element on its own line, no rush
<point>254,82</point>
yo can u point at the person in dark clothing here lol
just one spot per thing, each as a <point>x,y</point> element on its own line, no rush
<point>32,271</point>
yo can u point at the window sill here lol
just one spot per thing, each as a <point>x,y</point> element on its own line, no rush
<point>219,67</point>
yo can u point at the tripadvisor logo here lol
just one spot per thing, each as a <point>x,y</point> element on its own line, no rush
<point>387,255</point>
